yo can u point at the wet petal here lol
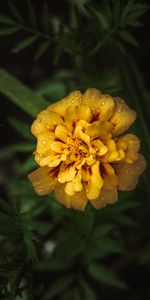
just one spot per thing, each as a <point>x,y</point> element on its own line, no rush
<point>44,140</point>
<point>95,183</point>
<point>74,98</point>
<point>99,129</point>
<point>66,173</point>
<point>106,197</point>
<point>45,120</point>
<point>102,106</point>
<point>128,173</point>
<point>76,113</point>
<point>57,147</point>
<point>42,182</point>
<point>122,118</point>
<point>61,132</point>
<point>77,201</point>
<point>131,145</point>
<point>75,185</point>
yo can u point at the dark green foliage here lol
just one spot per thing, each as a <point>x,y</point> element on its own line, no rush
<point>46,251</point>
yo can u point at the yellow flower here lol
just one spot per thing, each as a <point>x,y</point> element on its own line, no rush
<point>82,153</point>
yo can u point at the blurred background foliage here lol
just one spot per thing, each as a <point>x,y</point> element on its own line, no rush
<point>46,251</point>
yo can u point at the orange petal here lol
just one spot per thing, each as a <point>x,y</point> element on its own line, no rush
<point>106,197</point>
<point>102,106</point>
<point>42,182</point>
<point>122,118</point>
<point>74,98</point>
<point>128,173</point>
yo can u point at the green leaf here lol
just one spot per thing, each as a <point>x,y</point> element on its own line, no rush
<point>7,20</point>
<point>22,128</point>
<point>102,230</point>
<point>106,276</point>
<point>25,43</point>
<point>32,14</point>
<point>45,17</point>
<point>22,147</point>
<point>59,286</point>
<point>43,47</point>
<point>126,36</point>
<point>5,206</point>
<point>15,11</point>
<point>22,96</point>
<point>9,30</point>
<point>89,293</point>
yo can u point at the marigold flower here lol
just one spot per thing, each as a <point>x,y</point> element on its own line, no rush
<point>82,153</point>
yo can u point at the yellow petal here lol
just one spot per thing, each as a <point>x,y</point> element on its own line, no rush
<point>66,173</point>
<point>61,132</point>
<point>122,118</point>
<point>46,120</point>
<point>128,173</point>
<point>76,113</point>
<point>51,160</point>
<point>57,147</point>
<point>102,106</point>
<point>75,185</point>
<point>80,134</point>
<point>101,149</point>
<point>74,98</point>
<point>44,141</point>
<point>95,183</point>
<point>77,201</point>
<point>42,181</point>
<point>99,129</point>
<point>106,197</point>
<point>132,146</point>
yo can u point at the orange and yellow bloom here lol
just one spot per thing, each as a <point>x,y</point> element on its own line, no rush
<point>82,153</point>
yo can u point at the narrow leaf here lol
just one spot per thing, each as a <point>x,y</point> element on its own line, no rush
<point>9,30</point>
<point>15,11</point>
<point>44,46</point>
<point>89,293</point>
<point>5,206</point>
<point>126,35</point>
<point>106,276</point>
<point>45,17</point>
<point>25,43</point>
<point>21,95</point>
<point>7,20</point>
<point>32,14</point>
<point>23,147</point>
<point>22,128</point>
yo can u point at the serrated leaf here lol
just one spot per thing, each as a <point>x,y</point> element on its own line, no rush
<point>126,36</point>
<point>21,95</point>
<point>32,14</point>
<point>9,30</point>
<point>106,277</point>
<point>25,43</point>
<point>15,11</point>
<point>7,20</point>
<point>40,51</point>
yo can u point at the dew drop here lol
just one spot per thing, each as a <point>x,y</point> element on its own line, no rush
<point>103,103</point>
<point>44,142</point>
<point>73,101</point>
